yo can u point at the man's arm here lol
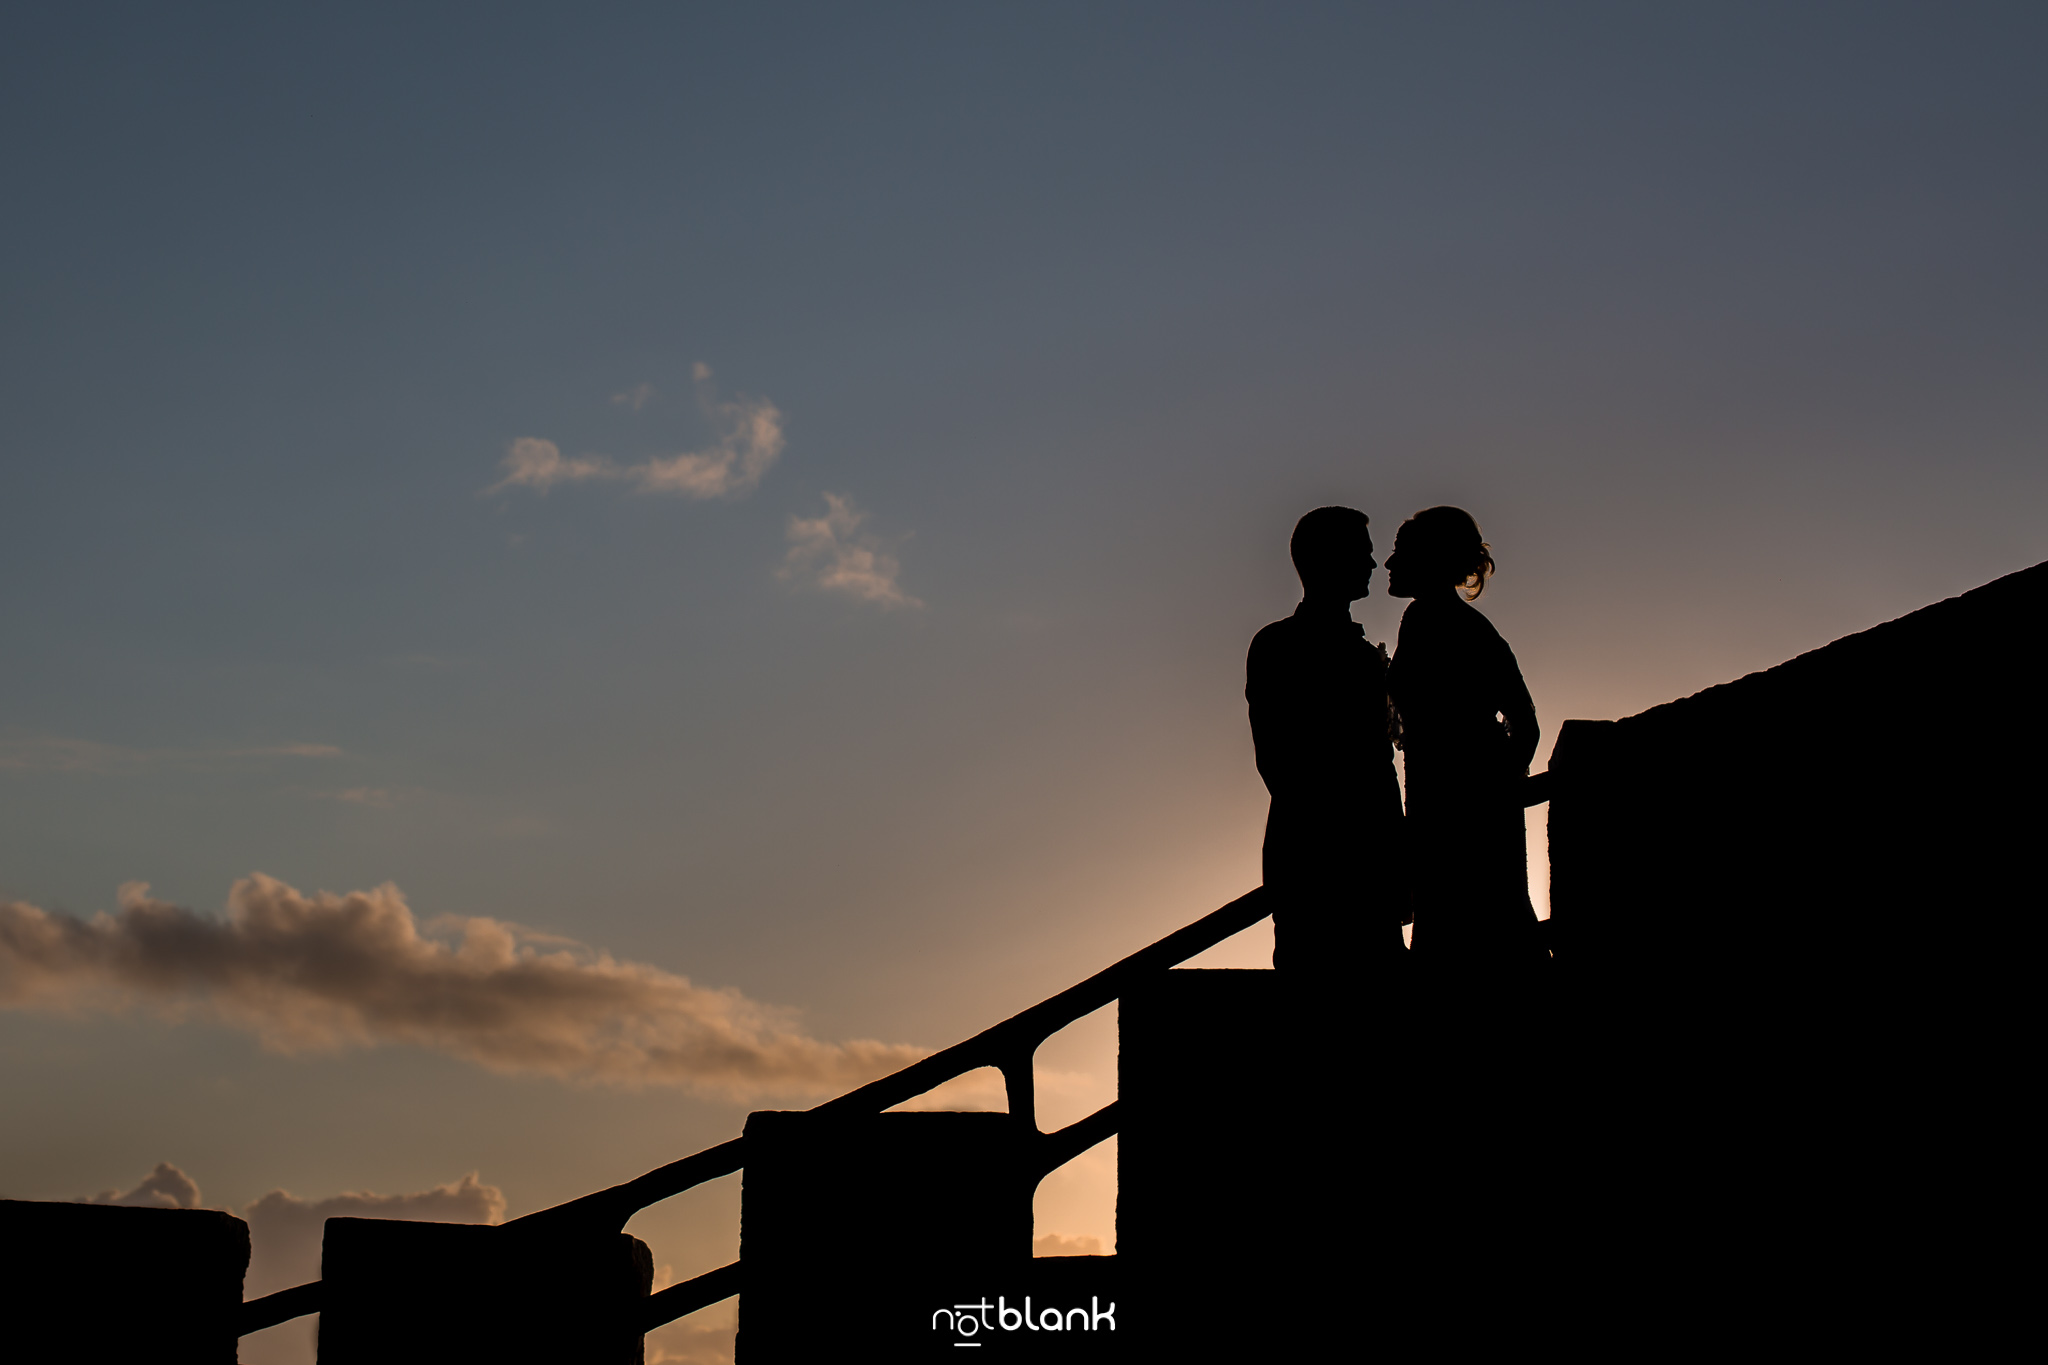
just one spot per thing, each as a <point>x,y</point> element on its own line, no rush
<point>1274,715</point>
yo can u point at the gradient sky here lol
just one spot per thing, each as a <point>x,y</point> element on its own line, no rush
<point>924,699</point>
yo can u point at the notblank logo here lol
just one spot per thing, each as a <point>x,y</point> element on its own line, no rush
<point>972,1320</point>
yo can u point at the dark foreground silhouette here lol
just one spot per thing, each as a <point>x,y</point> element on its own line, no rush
<point>1771,1092</point>
<point>1317,691</point>
<point>1468,733</point>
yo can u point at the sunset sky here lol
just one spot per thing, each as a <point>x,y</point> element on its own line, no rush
<point>569,572</point>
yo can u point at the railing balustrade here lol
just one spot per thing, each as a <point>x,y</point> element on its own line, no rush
<point>1010,1047</point>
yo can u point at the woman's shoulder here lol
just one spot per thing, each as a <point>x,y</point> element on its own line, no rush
<point>1452,616</point>
<point>1453,629</point>
<point>1477,624</point>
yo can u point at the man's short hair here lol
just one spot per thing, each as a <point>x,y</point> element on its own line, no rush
<point>1327,536</point>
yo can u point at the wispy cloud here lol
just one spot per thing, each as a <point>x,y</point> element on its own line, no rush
<point>58,754</point>
<point>537,464</point>
<point>636,397</point>
<point>834,554</point>
<point>322,972</point>
<point>379,798</point>
<point>749,442</point>
<point>705,1338</point>
<point>166,1187</point>
<point>983,1089</point>
<point>284,1230</point>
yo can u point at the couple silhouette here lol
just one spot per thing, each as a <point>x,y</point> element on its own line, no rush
<point>1347,868</point>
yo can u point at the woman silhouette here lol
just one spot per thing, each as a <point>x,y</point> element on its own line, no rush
<point>1468,731</point>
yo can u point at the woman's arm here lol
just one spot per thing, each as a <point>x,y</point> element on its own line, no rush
<point>1518,710</point>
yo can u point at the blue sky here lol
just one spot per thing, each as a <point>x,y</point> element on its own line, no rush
<point>1727,322</point>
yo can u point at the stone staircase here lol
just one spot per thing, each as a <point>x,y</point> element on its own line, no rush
<point>1791,923</point>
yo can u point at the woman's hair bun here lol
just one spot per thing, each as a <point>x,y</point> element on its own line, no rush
<point>1447,543</point>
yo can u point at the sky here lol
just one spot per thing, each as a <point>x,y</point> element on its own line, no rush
<point>570,572</point>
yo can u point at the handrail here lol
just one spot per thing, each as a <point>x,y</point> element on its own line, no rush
<point>999,1046</point>
<point>1059,1148</point>
<point>1008,1046</point>
<point>679,1300</point>
<point>283,1306</point>
<point>1003,1046</point>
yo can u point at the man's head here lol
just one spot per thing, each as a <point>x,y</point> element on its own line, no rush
<point>1332,549</point>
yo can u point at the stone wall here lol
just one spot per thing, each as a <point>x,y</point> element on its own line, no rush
<point>1870,806</point>
<point>1794,915</point>
<point>100,1282</point>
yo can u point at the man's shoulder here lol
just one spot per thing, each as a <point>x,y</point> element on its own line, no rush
<point>1298,633</point>
<point>1278,635</point>
<point>1283,639</point>
<point>1272,656</point>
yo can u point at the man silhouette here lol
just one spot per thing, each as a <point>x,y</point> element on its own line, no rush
<point>1318,695</point>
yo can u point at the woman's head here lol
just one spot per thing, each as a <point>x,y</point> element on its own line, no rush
<point>1436,548</point>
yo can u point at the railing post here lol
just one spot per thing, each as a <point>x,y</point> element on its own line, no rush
<point>856,1228</point>
<point>1243,1141</point>
<point>1020,1088</point>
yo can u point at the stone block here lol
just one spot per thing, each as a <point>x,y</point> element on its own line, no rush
<point>1239,1220</point>
<point>404,1293</point>
<point>1796,916</point>
<point>855,1230</point>
<point>95,1282</point>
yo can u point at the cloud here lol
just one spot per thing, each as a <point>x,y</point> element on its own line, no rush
<point>376,797</point>
<point>635,398</point>
<point>537,464</point>
<point>166,1187</point>
<point>983,1089</point>
<point>317,973</point>
<point>57,754</point>
<point>830,552</point>
<point>699,1339</point>
<point>285,1233</point>
<point>749,442</point>
<point>705,1337</point>
<point>54,754</point>
<point>284,1230</point>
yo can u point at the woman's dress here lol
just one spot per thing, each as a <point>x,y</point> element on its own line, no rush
<point>1468,732</point>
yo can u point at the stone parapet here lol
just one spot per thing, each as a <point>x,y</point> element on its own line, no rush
<point>404,1293</point>
<point>98,1281</point>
